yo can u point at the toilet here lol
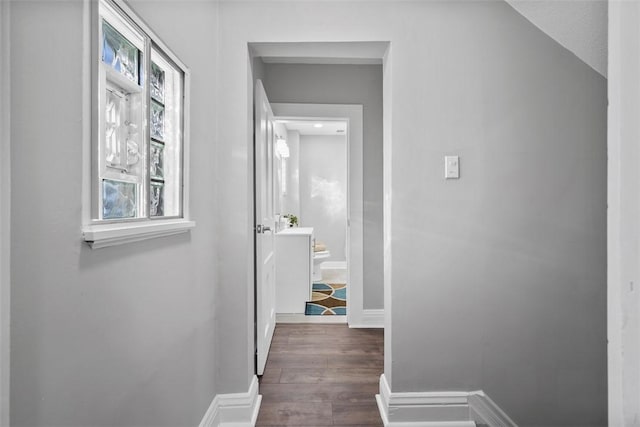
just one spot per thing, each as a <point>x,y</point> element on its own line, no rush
<point>334,271</point>
<point>318,258</point>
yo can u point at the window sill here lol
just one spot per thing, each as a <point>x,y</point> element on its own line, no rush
<point>104,235</point>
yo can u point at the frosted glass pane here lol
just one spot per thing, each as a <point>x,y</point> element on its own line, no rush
<point>156,165</point>
<point>113,118</point>
<point>157,83</point>
<point>169,151</point>
<point>118,199</point>
<point>157,199</point>
<point>157,121</point>
<point>119,53</point>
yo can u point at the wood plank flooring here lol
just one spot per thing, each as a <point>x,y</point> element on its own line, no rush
<point>322,375</point>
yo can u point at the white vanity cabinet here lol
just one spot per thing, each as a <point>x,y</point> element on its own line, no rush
<point>294,268</point>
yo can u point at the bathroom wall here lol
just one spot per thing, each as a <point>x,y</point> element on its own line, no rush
<point>323,190</point>
<point>346,84</point>
<point>291,200</point>
<point>279,178</point>
<point>496,280</point>
<point>119,336</point>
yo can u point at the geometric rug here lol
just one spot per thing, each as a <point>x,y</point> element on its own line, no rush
<point>327,299</point>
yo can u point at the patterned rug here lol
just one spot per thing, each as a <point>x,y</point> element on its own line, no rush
<point>327,299</point>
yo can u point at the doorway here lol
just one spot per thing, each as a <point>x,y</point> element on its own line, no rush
<point>352,116</point>
<point>266,116</point>
<point>269,57</point>
<point>312,189</point>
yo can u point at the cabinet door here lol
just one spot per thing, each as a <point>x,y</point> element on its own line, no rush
<point>293,273</point>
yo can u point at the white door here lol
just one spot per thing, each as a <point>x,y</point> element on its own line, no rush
<point>264,226</point>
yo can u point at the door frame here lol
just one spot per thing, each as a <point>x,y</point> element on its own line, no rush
<point>353,114</point>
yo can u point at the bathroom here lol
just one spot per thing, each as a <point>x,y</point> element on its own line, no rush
<point>311,171</point>
<point>343,92</point>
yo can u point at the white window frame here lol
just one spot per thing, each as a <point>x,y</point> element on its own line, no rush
<point>103,233</point>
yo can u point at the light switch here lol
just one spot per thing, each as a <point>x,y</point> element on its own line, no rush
<point>451,167</point>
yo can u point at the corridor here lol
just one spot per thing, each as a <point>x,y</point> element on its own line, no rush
<point>319,375</point>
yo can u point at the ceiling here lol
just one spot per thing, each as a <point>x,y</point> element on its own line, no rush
<point>578,25</point>
<point>306,127</point>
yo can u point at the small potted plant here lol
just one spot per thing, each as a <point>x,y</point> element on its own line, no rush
<point>292,219</point>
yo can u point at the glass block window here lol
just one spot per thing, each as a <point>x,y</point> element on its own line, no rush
<point>138,156</point>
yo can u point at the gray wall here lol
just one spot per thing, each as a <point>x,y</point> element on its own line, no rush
<point>346,84</point>
<point>497,280</point>
<point>323,191</point>
<point>119,336</point>
<point>504,270</point>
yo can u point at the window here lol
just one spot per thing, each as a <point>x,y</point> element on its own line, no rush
<point>139,145</point>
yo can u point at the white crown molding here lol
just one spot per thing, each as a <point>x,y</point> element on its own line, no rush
<point>234,409</point>
<point>438,408</point>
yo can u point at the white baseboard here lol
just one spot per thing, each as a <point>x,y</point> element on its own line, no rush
<point>438,409</point>
<point>302,318</point>
<point>373,318</point>
<point>449,409</point>
<point>234,409</point>
<point>485,410</point>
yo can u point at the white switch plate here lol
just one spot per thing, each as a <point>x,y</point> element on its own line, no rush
<point>451,167</point>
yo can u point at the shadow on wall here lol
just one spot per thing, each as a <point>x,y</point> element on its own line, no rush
<point>330,195</point>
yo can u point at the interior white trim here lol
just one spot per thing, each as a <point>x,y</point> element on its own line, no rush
<point>485,411</point>
<point>302,318</point>
<point>439,408</point>
<point>402,409</point>
<point>234,409</point>
<point>104,235</point>
<point>321,52</point>
<point>355,245</point>
<point>387,124</point>
<point>371,318</point>
<point>615,295</point>
<point>5,210</point>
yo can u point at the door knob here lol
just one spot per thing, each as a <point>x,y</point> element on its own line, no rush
<point>262,228</point>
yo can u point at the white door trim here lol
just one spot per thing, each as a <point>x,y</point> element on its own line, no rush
<point>5,211</point>
<point>234,409</point>
<point>439,408</point>
<point>354,115</point>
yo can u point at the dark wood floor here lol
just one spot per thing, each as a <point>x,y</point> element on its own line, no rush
<point>322,375</point>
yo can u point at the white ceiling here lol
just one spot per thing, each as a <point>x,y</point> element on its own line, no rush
<point>305,127</point>
<point>578,25</point>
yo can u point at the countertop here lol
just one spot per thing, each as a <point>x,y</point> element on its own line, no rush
<point>295,231</point>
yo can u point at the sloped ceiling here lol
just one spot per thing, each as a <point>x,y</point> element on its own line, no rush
<point>578,25</point>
